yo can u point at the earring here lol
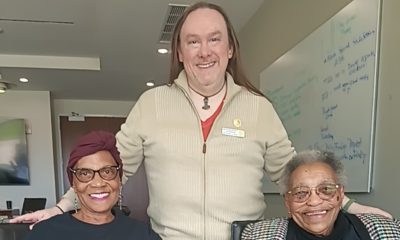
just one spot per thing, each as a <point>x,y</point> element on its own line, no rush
<point>120,197</point>
<point>76,205</point>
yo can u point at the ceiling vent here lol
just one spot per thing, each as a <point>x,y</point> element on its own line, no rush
<point>174,12</point>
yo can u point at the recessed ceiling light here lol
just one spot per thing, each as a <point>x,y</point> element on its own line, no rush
<point>150,84</point>
<point>162,50</point>
<point>24,80</point>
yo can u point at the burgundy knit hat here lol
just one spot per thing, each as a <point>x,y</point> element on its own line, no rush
<point>91,143</point>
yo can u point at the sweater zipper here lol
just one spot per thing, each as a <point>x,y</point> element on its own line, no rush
<point>204,150</point>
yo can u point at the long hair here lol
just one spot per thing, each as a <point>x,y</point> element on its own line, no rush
<point>234,67</point>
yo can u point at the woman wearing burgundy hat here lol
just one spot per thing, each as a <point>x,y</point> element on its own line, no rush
<point>94,171</point>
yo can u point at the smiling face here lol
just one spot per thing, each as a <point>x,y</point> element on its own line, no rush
<point>97,196</point>
<point>315,215</point>
<point>204,49</point>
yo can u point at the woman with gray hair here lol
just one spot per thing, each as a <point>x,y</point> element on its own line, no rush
<point>311,156</point>
<point>313,188</point>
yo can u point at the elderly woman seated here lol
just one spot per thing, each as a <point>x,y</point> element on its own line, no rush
<point>94,171</point>
<point>313,188</point>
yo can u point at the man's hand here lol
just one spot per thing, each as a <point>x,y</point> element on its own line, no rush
<point>37,216</point>
<point>356,208</point>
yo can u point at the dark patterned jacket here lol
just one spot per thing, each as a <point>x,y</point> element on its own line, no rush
<point>378,227</point>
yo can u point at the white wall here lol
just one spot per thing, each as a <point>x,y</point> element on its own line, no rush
<point>34,107</point>
<point>387,164</point>
<point>64,107</point>
<point>281,24</point>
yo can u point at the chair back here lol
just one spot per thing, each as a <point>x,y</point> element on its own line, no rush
<point>33,204</point>
<point>14,231</point>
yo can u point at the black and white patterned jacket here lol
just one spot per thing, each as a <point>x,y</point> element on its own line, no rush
<point>378,227</point>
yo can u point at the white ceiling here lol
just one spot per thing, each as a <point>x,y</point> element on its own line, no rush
<point>68,35</point>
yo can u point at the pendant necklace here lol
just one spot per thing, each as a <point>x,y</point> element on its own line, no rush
<point>205,97</point>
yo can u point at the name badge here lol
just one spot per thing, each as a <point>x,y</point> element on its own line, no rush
<point>233,132</point>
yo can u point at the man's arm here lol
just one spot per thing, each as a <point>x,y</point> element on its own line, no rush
<point>356,208</point>
<point>64,205</point>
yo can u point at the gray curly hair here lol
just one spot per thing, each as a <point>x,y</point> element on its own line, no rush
<point>312,156</point>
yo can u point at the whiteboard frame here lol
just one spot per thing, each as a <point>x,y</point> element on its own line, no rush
<point>375,96</point>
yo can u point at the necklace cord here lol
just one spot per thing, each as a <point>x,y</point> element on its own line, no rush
<point>205,98</point>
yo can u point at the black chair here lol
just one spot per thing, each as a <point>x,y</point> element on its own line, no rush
<point>237,228</point>
<point>124,209</point>
<point>33,204</point>
<point>14,231</point>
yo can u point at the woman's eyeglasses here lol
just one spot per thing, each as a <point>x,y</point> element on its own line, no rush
<point>325,191</point>
<point>86,174</point>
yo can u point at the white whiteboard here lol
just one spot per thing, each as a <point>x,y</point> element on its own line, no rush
<point>324,90</point>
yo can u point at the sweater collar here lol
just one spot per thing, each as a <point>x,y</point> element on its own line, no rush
<point>232,87</point>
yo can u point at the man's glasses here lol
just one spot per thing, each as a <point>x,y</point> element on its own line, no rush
<point>86,174</point>
<point>325,191</point>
